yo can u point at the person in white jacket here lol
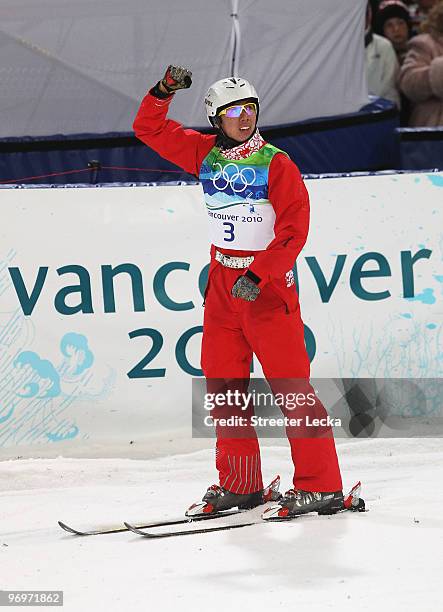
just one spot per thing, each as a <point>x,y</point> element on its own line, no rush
<point>382,65</point>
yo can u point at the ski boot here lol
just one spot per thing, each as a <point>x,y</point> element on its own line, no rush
<point>296,502</point>
<point>217,499</point>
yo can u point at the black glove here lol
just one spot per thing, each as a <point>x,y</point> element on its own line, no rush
<point>175,78</point>
<point>245,288</point>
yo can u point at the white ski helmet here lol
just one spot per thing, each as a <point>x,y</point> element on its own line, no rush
<point>225,92</point>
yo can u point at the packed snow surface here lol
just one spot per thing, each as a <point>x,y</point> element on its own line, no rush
<point>389,558</point>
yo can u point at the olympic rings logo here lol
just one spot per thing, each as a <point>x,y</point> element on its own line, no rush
<point>221,179</point>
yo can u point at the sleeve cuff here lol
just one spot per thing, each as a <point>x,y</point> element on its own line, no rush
<point>155,91</point>
<point>253,277</point>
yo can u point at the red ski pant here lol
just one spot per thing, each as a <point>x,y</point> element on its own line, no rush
<point>271,327</point>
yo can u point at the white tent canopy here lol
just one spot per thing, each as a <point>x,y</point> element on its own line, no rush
<point>74,67</point>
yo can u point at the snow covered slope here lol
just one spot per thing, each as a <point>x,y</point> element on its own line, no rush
<point>388,558</point>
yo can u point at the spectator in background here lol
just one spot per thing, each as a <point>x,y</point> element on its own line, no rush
<point>421,76</point>
<point>419,12</point>
<point>394,23</point>
<point>381,64</point>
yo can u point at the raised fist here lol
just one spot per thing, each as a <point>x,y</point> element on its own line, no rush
<point>175,78</point>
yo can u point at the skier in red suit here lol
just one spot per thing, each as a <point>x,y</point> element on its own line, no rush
<point>258,210</point>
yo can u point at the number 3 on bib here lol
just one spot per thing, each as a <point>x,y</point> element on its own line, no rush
<point>229,232</point>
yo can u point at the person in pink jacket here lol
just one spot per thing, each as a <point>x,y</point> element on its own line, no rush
<point>421,76</point>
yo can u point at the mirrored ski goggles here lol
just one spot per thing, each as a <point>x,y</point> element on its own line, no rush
<point>250,108</point>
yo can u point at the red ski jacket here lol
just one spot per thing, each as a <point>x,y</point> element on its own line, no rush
<point>286,191</point>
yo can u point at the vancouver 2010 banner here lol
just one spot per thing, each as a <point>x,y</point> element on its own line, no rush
<point>101,299</point>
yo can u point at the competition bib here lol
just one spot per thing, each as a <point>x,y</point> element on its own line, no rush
<point>236,194</point>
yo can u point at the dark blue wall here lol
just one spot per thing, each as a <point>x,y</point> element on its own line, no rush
<point>356,142</point>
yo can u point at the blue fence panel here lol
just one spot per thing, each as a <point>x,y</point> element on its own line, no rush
<point>356,142</point>
<point>421,148</point>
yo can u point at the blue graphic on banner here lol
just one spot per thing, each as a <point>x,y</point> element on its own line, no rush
<point>418,342</point>
<point>60,437</point>
<point>437,181</point>
<point>33,398</point>
<point>5,417</point>
<point>426,297</point>
<point>439,279</point>
<point>75,348</point>
<point>37,392</point>
<point>44,370</point>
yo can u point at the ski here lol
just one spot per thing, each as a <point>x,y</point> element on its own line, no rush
<point>172,534</point>
<point>197,512</point>
<point>352,503</point>
<point>164,523</point>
